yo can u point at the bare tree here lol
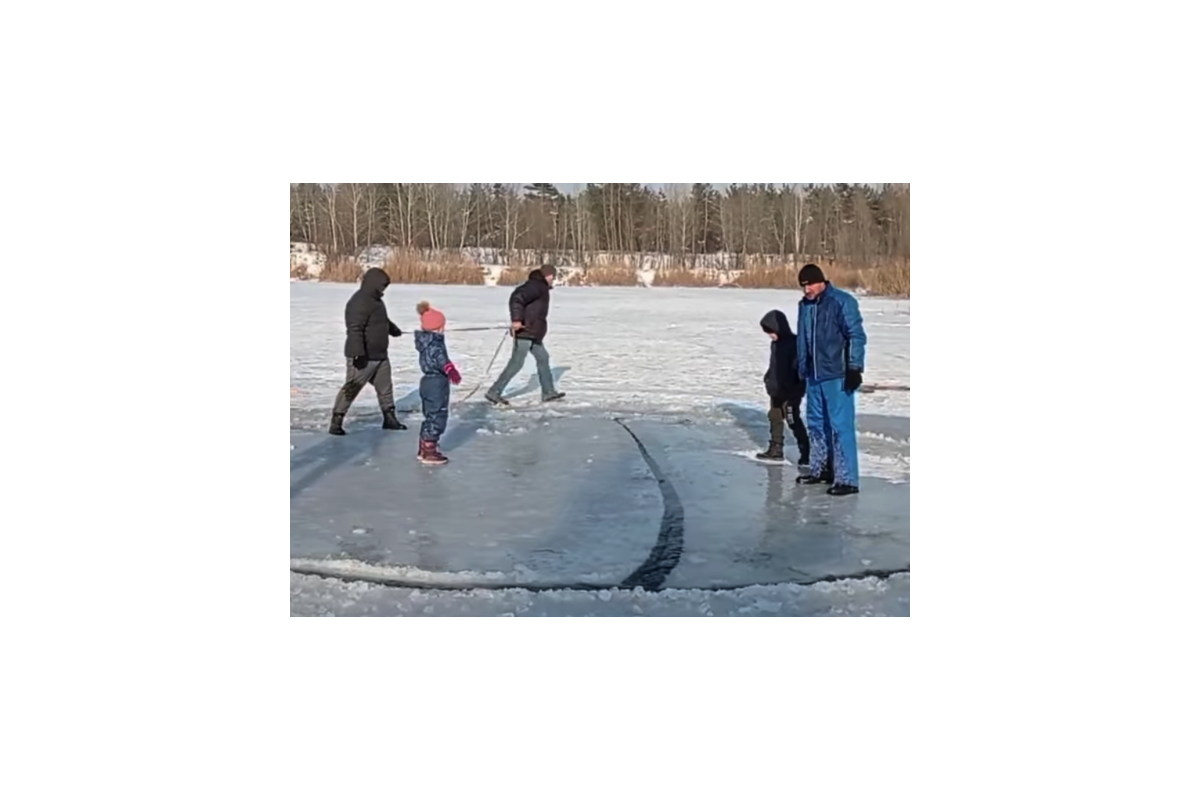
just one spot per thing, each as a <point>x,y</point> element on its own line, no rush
<point>444,213</point>
<point>372,210</point>
<point>580,241</point>
<point>733,222</point>
<point>296,215</point>
<point>864,224</point>
<point>429,200</point>
<point>466,206</point>
<point>778,218</point>
<point>512,218</point>
<point>402,220</point>
<point>798,245</point>
<point>357,193</point>
<point>329,194</point>
<point>312,211</point>
<point>681,200</point>
<point>409,206</point>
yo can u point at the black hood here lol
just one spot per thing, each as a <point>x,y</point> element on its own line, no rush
<point>776,322</point>
<point>375,281</point>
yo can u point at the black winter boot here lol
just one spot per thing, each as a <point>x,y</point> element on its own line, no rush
<point>390,423</point>
<point>496,400</point>
<point>774,452</point>
<point>809,480</point>
<point>839,489</point>
<point>335,427</point>
<point>550,398</point>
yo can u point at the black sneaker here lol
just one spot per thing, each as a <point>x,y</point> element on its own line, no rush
<point>809,480</point>
<point>550,398</point>
<point>839,489</point>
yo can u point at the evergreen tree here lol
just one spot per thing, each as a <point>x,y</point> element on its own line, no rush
<point>542,192</point>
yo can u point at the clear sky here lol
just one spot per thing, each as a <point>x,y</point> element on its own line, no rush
<point>574,188</point>
<point>570,187</point>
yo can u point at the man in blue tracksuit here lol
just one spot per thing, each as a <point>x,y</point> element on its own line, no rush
<point>830,349</point>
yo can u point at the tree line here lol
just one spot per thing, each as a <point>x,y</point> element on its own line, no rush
<point>854,223</point>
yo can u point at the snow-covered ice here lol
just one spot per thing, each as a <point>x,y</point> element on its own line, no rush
<point>866,597</point>
<point>549,509</point>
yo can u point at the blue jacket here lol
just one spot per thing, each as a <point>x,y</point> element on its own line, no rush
<point>829,335</point>
<point>431,348</point>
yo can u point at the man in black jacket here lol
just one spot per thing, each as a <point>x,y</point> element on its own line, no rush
<point>784,386</point>
<point>367,331</point>
<point>528,307</point>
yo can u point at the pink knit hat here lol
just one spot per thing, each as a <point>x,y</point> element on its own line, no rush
<point>431,318</point>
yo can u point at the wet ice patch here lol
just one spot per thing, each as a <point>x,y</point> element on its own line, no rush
<point>881,437</point>
<point>752,455</point>
<point>892,468</point>
<point>501,431</point>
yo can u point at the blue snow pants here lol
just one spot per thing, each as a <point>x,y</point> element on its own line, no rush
<point>435,405</point>
<point>831,429</point>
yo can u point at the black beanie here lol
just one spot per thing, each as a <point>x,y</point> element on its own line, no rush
<point>810,273</point>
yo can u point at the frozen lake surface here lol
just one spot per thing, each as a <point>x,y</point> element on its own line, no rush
<point>639,494</point>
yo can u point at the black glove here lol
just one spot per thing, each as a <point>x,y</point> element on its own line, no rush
<point>853,379</point>
<point>393,330</point>
<point>360,362</point>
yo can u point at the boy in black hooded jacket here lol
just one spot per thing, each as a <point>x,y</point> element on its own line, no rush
<point>785,387</point>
